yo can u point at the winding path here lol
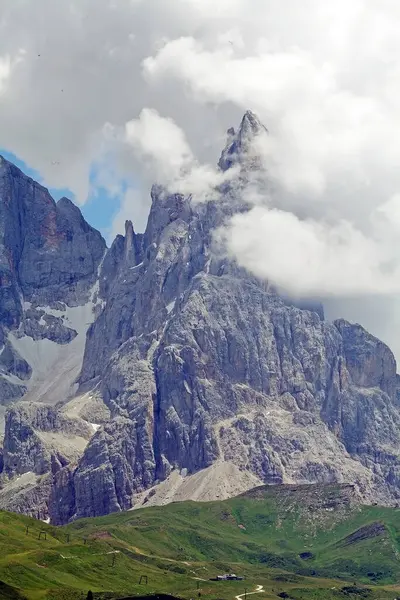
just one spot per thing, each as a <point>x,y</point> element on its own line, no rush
<point>259,589</point>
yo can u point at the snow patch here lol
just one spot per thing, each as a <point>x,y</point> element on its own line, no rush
<point>187,387</point>
<point>55,367</point>
<point>55,312</point>
<point>170,306</point>
<point>136,266</point>
<point>95,426</point>
<point>13,379</point>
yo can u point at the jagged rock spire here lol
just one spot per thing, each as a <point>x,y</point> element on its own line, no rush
<point>239,144</point>
<point>129,249</point>
<point>250,127</point>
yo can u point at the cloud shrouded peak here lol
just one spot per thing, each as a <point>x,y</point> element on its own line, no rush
<point>299,249</point>
<point>240,146</point>
<point>170,78</point>
<point>250,128</point>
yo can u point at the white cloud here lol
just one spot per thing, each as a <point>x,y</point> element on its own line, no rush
<point>163,150</point>
<point>162,142</point>
<point>5,69</point>
<point>324,80</point>
<point>133,209</point>
<point>171,77</point>
<point>82,68</point>
<point>310,258</point>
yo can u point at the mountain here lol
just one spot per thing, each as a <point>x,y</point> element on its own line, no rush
<point>291,540</point>
<point>195,379</point>
<point>49,260</point>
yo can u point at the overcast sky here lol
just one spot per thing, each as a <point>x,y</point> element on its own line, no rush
<point>112,95</point>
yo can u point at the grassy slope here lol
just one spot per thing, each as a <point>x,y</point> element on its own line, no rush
<point>259,537</point>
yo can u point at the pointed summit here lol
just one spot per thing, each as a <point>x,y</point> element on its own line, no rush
<point>130,250</point>
<point>239,144</point>
<point>250,127</point>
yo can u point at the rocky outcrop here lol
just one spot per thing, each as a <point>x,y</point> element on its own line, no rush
<point>41,445</point>
<point>37,436</point>
<point>28,494</point>
<point>39,325</point>
<point>12,363</point>
<point>61,504</point>
<point>114,466</point>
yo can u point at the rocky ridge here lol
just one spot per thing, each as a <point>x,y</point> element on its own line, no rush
<point>195,374</point>
<point>49,260</point>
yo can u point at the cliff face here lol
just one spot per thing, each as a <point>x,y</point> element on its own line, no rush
<point>201,377</point>
<point>48,251</point>
<point>49,259</point>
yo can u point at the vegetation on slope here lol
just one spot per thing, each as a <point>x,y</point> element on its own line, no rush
<point>291,540</point>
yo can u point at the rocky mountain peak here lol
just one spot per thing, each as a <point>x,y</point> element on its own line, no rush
<point>240,149</point>
<point>197,381</point>
<point>250,127</point>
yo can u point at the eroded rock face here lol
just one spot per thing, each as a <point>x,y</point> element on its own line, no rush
<point>369,361</point>
<point>200,364</point>
<point>38,436</point>
<point>42,445</point>
<point>48,251</point>
<point>12,363</point>
<point>61,504</point>
<point>118,462</point>
<point>49,257</point>
<point>28,494</point>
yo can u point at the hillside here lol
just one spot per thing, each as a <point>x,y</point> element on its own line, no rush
<point>288,539</point>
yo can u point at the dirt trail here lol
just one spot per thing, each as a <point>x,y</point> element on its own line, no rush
<point>259,589</point>
<point>96,554</point>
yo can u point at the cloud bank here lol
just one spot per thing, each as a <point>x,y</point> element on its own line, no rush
<point>146,89</point>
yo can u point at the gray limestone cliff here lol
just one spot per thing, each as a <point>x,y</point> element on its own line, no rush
<point>39,442</point>
<point>49,259</point>
<point>206,379</point>
<point>38,436</point>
